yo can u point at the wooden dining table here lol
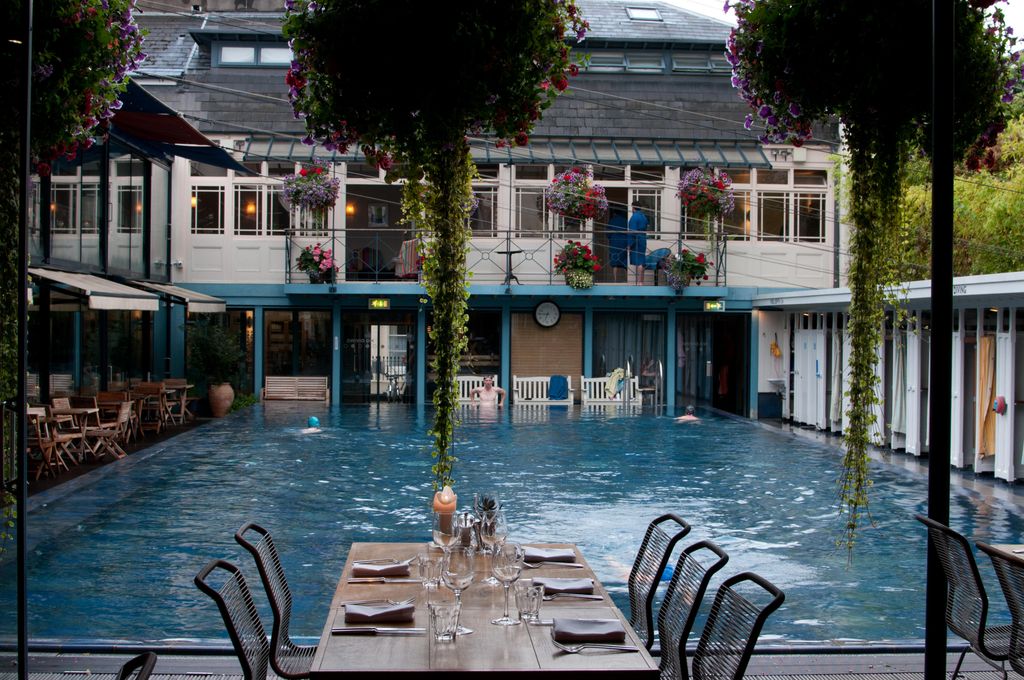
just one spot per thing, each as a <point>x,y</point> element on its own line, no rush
<point>497,652</point>
<point>81,415</point>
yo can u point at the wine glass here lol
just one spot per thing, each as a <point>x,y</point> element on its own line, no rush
<point>493,532</point>
<point>507,565</point>
<point>445,530</point>
<point>457,572</point>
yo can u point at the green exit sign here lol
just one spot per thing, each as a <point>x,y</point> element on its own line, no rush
<point>714,305</point>
<point>380,303</point>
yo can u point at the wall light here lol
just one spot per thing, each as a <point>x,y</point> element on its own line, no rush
<point>350,209</point>
<point>195,201</point>
<point>250,208</point>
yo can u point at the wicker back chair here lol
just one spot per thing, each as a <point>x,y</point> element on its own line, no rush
<point>648,566</point>
<point>966,599</point>
<point>138,668</point>
<point>696,565</point>
<point>288,659</point>
<point>742,605</point>
<point>1010,570</point>
<point>226,586</point>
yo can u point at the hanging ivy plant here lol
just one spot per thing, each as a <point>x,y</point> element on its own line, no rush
<point>447,69</point>
<point>799,61</point>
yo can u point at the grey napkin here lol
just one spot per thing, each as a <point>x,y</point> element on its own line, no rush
<point>378,613</point>
<point>399,569</point>
<point>588,630</point>
<point>564,585</point>
<point>549,554</point>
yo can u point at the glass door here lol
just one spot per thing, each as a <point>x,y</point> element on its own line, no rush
<point>379,357</point>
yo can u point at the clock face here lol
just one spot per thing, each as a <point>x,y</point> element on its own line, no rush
<point>547,314</point>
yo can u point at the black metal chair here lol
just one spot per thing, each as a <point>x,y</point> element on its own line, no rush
<point>138,668</point>
<point>741,606</point>
<point>966,600</point>
<point>693,571</point>
<point>1010,571</point>
<point>648,566</point>
<point>225,584</point>
<point>288,659</point>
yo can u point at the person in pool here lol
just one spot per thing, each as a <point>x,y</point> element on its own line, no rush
<point>313,426</point>
<point>488,394</point>
<point>688,417</point>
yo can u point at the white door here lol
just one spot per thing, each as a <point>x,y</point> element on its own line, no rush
<point>913,400</point>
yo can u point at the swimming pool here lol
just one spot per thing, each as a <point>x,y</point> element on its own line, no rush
<point>115,557</point>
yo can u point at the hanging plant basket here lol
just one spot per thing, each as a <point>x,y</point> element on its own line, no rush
<point>318,263</point>
<point>573,194</point>
<point>685,268</point>
<point>706,195</point>
<point>577,264</point>
<point>313,189</point>
<point>580,279</point>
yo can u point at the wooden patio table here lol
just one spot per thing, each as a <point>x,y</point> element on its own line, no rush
<point>80,414</point>
<point>497,652</point>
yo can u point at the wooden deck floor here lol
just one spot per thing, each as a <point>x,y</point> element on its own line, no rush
<point>763,667</point>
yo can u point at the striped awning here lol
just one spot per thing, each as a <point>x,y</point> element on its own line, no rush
<point>676,153</point>
<point>196,302</point>
<point>100,293</point>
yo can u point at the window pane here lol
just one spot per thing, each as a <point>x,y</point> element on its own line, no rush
<point>237,55</point>
<point>530,209</point>
<point>812,177</point>
<point>63,215</point>
<point>531,171</point>
<point>643,14</point>
<point>280,168</point>
<point>739,176</point>
<point>482,219</point>
<point>606,62</point>
<point>647,173</point>
<point>487,170</point>
<point>279,217</point>
<point>737,225</point>
<point>615,173</point>
<point>773,176</point>
<point>772,211</point>
<point>207,210</point>
<point>247,210</point>
<point>683,61</point>
<point>646,62</point>
<point>810,217</point>
<point>129,210</point>
<point>275,55</point>
<point>650,204</point>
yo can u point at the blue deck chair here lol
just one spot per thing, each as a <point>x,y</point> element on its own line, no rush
<point>654,259</point>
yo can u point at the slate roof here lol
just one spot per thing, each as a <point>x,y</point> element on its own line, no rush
<point>684,106</point>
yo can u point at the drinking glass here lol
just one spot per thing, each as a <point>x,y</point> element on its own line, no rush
<point>444,620</point>
<point>528,598</point>
<point>493,532</point>
<point>445,530</point>
<point>507,565</point>
<point>457,572</point>
<point>429,569</point>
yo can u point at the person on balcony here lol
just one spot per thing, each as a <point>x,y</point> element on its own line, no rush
<point>618,244</point>
<point>638,241</point>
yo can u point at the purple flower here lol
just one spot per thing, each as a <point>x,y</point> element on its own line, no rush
<point>794,109</point>
<point>748,122</point>
<point>764,111</point>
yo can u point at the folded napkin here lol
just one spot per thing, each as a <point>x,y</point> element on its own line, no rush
<point>360,569</point>
<point>565,585</point>
<point>550,554</point>
<point>588,630</point>
<point>378,613</point>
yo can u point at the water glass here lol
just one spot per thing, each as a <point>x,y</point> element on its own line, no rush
<point>445,530</point>
<point>444,620</point>
<point>429,570</point>
<point>507,566</point>
<point>528,599</point>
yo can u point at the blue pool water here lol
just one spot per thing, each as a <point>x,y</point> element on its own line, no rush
<point>115,557</point>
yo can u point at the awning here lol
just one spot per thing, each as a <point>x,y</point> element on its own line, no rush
<point>153,127</point>
<point>197,302</point>
<point>100,293</point>
<point>676,153</point>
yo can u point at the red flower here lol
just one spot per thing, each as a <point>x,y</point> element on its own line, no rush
<point>303,172</point>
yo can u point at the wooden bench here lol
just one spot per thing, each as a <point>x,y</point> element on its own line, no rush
<point>595,391</point>
<point>530,391</point>
<point>296,388</point>
<point>468,383</point>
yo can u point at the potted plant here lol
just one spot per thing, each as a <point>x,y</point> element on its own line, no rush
<point>318,263</point>
<point>312,190</point>
<point>577,264</point>
<point>214,354</point>
<point>684,268</point>
<point>573,194</point>
<point>706,195</point>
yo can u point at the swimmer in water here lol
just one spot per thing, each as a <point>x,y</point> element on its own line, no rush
<point>688,417</point>
<point>314,426</point>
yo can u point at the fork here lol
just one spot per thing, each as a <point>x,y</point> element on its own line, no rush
<point>575,596</point>
<point>538,565</point>
<point>575,649</point>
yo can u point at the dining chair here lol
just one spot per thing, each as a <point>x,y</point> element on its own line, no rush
<point>107,436</point>
<point>67,435</point>
<point>742,605</point>
<point>226,586</point>
<point>42,442</point>
<point>289,660</point>
<point>1010,572</point>
<point>655,550</point>
<point>138,668</point>
<point>693,571</point>
<point>967,604</point>
<point>152,408</point>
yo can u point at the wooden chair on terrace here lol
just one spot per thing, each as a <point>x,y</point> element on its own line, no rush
<point>67,434</point>
<point>226,586</point>
<point>152,407</point>
<point>966,599</point>
<point>110,402</point>
<point>289,660</point>
<point>49,461</point>
<point>177,405</point>
<point>648,566</point>
<point>107,437</point>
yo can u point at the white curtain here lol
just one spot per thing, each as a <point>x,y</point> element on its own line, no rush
<point>836,408</point>
<point>899,386</point>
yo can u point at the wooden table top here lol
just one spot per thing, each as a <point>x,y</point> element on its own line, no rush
<point>495,651</point>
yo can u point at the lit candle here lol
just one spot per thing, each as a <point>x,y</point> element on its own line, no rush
<point>445,500</point>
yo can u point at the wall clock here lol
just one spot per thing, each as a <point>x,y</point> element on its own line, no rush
<point>547,314</point>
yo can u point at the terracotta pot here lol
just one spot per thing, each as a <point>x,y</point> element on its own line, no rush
<point>221,397</point>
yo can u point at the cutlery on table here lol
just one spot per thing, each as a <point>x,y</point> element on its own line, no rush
<point>383,579</point>
<point>377,630</point>
<point>538,565</point>
<point>578,596</point>
<point>1018,552</point>
<point>384,560</point>
<point>408,600</point>
<point>574,649</point>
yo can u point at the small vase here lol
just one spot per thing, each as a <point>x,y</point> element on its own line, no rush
<point>580,279</point>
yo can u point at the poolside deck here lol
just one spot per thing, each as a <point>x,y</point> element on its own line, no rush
<point>766,667</point>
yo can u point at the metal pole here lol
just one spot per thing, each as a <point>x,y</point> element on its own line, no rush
<point>21,429</point>
<point>942,323</point>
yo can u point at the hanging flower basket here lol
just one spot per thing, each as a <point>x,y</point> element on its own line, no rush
<point>318,263</point>
<point>577,264</point>
<point>706,195</point>
<point>684,268</point>
<point>579,279</point>
<point>574,194</point>
<point>312,189</point>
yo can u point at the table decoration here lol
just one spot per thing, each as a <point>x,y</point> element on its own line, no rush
<point>535,554</point>
<point>396,569</point>
<point>587,630</point>
<point>381,613</point>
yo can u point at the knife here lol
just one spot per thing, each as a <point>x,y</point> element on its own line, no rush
<point>376,630</point>
<point>383,579</point>
<point>581,596</point>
